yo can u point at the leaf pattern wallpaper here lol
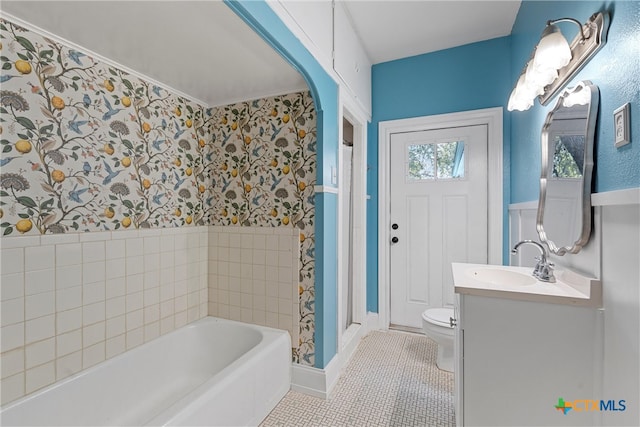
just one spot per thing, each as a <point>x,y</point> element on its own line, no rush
<point>87,147</point>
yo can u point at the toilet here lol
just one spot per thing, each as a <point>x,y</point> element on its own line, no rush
<point>437,326</point>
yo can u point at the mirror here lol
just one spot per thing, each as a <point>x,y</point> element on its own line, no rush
<point>564,209</point>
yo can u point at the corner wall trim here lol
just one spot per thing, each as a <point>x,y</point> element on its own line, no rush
<point>325,189</point>
<point>315,382</point>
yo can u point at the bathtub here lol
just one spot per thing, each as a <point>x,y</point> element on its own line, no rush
<point>210,372</point>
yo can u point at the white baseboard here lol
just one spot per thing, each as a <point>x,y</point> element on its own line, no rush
<point>320,382</point>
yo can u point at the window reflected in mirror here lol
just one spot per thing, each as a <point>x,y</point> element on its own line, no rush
<point>568,156</point>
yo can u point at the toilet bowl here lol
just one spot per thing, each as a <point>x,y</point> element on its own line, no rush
<point>437,326</point>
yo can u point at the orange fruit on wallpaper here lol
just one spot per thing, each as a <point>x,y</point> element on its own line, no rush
<point>302,186</point>
<point>224,167</point>
<point>24,225</point>
<point>109,212</point>
<point>23,66</point>
<point>126,162</point>
<point>108,148</point>
<point>234,173</point>
<point>177,111</point>
<point>234,219</point>
<point>274,112</point>
<point>126,222</point>
<point>302,237</point>
<point>188,171</point>
<point>126,101</point>
<point>274,212</point>
<point>300,291</point>
<point>224,121</point>
<point>302,133</point>
<point>146,183</point>
<point>188,123</point>
<point>224,212</point>
<point>202,143</point>
<point>286,118</point>
<point>177,212</point>
<point>57,102</point>
<point>247,188</point>
<point>274,163</point>
<point>285,220</point>
<point>286,169</point>
<point>201,188</point>
<point>247,140</point>
<point>188,220</point>
<point>177,161</point>
<point>1,213</point>
<point>234,125</point>
<point>109,86</point>
<point>23,146</point>
<point>146,127</point>
<point>57,175</point>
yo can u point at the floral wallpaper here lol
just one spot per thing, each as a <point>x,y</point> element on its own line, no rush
<point>88,147</point>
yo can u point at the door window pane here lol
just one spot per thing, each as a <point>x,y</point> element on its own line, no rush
<point>429,161</point>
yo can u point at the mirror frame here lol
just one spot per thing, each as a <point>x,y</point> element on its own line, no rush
<point>547,156</point>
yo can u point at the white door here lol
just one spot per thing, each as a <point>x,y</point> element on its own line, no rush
<point>438,215</point>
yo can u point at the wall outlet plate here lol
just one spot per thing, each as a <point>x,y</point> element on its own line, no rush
<point>621,125</point>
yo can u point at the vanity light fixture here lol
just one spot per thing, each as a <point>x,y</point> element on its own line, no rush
<point>554,62</point>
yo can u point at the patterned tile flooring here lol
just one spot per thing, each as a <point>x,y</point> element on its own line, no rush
<point>392,380</point>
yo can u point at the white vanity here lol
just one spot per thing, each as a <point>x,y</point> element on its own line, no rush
<point>521,344</point>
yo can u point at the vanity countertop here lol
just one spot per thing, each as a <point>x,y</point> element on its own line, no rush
<point>570,288</point>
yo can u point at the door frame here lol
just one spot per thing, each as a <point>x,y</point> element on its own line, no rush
<point>493,118</point>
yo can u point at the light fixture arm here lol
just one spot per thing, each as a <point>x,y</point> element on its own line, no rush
<point>575,21</point>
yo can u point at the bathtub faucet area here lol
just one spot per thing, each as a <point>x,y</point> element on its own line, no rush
<point>543,270</point>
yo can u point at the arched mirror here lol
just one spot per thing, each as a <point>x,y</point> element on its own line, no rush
<point>564,209</point>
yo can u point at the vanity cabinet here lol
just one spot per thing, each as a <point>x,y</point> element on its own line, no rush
<point>516,358</point>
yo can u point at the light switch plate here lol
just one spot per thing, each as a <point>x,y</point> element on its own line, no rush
<point>621,126</point>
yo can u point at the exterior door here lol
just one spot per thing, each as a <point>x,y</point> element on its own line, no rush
<point>438,215</point>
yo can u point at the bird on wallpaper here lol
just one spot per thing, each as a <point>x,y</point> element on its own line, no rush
<point>178,131</point>
<point>178,181</point>
<point>208,156</point>
<point>261,180</point>
<point>74,125</point>
<point>6,78</point>
<point>164,124</point>
<point>157,142</point>
<point>274,181</point>
<point>157,197</point>
<point>163,178</point>
<point>86,100</point>
<point>225,138</point>
<point>156,90</point>
<point>225,184</point>
<point>110,174</point>
<point>256,151</point>
<point>75,194</point>
<point>86,168</point>
<point>75,56</point>
<point>255,104</point>
<point>256,200</point>
<point>275,131</point>
<point>112,112</point>
<point>261,130</point>
<point>208,201</point>
<point>6,160</point>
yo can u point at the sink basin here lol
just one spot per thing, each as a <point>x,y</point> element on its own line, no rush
<point>501,277</point>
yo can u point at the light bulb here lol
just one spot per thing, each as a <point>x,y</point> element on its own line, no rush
<point>553,50</point>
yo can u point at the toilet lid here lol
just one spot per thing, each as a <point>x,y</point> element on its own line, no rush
<point>438,316</point>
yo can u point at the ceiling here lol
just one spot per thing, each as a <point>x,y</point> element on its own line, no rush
<point>204,51</point>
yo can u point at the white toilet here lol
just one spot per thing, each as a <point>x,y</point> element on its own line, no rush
<point>437,326</point>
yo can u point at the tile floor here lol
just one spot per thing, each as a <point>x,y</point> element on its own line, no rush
<point>392,380</point>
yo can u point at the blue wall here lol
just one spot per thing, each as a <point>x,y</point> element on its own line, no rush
<point>615,70</point>
<point>465,78</point>
<point>259,16</point>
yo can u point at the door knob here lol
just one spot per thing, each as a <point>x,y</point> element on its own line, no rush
<point>453,322</point>
<point>394,240</point>
<point>394,226</point>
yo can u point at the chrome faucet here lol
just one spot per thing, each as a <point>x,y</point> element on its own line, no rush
<point>543,270</point>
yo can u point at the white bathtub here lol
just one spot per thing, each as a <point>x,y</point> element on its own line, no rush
<point>211,372</point>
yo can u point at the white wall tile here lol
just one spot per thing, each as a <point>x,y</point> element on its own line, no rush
<point>40,352</point>
<point>12,260</point>
<point>115,287</point>
<point>93,292</point>
<point>68,365</point>
<point>135,247</point>
<point>93,334</point>
<point>93,355</point>
<point>134,301</point>
<point>12,286</point>
<point>135,264</point>
<point>115,249</point>
<point>93,272</point>
<point>116,326</point>
<point>67,299</point>
<point>115,268</point>
<point>115,346</point>
<point>151,331</point>
<point>12,388</point>
<point>135,320</point>
<point>39,257</point>
<point>39,329</point>
<point>12,311</point>
<point>134,338</point>
<point>68,254</point>
<point>68,320</point>
<point>68,276</point>
<point>39,305</point>
<point>12,362</point>
<point>115,307</point>
<point>39,281</point>
<point>40,376</point>
<point>93,313</point>
<point>166,325</point>
<point>69,342</point>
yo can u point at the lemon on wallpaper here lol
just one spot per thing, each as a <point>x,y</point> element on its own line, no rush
<point>126,101</point>
<point>23,146</point>
<point>188,171</point>
<point>109,86</point>
<point>234,125</point>
<point>302,185</point>
<point>177,111</point>
<point>286,118</point>
<point>224,212</point>
<point>24,225</point>
<point>188,123</point>
<point>302,237</point>
<point>274,163</point>
<point>201,188</point>
<point>201,143</point>
<point>126,222</point>
<point>302,133</point>
<point>57,102</point>
<point>126,162</point>
<point>286,169</point>
<point>188,220</point>
<point>274,112</point>
<point>23,66</point>
<point>285,220</point>
<point>108,148</point>
<point>177,162</point>
<point>146,183</point>
<point>146,127</point>
<point>247,140</point>
<point>224,167</point>
<point>234,172</point>
<point>224,121</point>
<point>274,212</point>
<point>234,219</point>
<point>109,212</point>
<point>57,175</point>
<point>1,213</point>
<point>247,188</point>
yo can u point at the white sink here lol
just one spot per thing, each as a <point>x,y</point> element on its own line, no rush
<point>500,277</point>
